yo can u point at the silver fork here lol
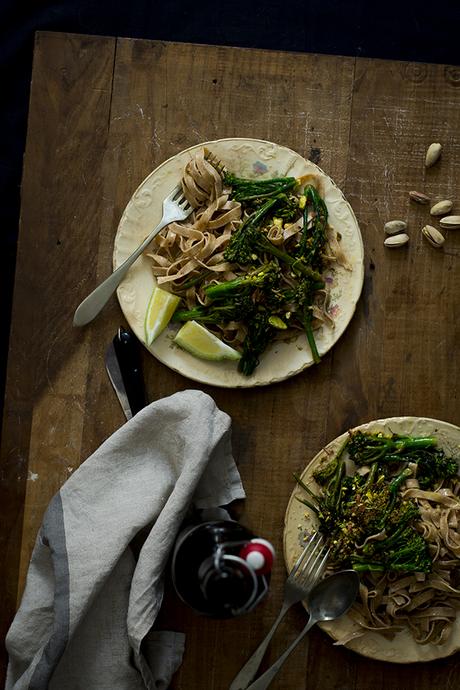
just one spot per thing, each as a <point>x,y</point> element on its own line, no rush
<point>302,578</point>
<point>175,208</point>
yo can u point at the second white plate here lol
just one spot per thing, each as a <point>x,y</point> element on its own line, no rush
<point>402,648</point>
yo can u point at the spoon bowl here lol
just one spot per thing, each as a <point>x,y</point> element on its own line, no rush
<point>333,596</point>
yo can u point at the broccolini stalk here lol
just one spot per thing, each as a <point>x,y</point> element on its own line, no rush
<point>399,479</point>
<point>238,308</point>
<point>304,486</point>
<point>405,551</point>
<point>304,295</point>
<point>310,503</point>
<point>433,466</point>
<point>264,276</point>
<point>248,190</point>
<point>306,320</point>
<point>314,236</point>
<point>260,334</point>
<point>367,448</point>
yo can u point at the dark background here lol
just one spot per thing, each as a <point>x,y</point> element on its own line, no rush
<point>419,31</point>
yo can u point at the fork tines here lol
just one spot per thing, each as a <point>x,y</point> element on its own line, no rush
<point>178,197</point>
<point>312,561</point>
<point>215,162</point>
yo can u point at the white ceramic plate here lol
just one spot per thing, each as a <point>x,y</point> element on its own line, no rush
<point>403,648</point>
<point>248,158</point>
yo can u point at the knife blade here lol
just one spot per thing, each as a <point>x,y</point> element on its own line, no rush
<point>123,365</point>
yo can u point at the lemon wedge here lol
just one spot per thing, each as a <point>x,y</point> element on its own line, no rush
<point>161,307</point>
<point>200,342</point>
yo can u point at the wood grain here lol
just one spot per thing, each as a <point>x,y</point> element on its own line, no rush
<point>48,359</point>
<point>103,114</point>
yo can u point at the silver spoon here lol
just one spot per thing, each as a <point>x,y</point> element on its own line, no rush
<point>330,599</point>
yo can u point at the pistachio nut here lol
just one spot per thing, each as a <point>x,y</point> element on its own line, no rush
<point>432,154</point>
<point>441,208</point>
<point>450,222</point>
<point>419,197</point>
<point>394,226</point>
<point>396,240</point>
<point>433,236</point>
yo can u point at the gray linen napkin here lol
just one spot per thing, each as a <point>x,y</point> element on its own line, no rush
<point>88,605</point>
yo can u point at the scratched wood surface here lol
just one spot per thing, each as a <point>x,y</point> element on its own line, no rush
<point>103,114</point>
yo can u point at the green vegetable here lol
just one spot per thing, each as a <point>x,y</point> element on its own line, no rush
<point>433,466</point>
<point>405,551</point>
<point>368,522</point>
<point>237,310</point>
<point>290,210</point>
<point>249,241</point>
<point>196,280</point>
<point>366,448</point>
<point>234,301</point>
<point>260,334</point>
<point>314,232</point>
<point>244,242</point>
<point>304,295</point>
<point>248,190</point>
<point>266,276</point>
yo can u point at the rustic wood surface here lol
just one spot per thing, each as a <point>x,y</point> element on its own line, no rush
<point>103,113</point>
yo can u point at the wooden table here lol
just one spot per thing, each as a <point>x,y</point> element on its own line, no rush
<point>103,113</point>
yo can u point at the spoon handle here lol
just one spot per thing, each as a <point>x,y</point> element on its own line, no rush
<point>249,670</point>
<point>267,677</point>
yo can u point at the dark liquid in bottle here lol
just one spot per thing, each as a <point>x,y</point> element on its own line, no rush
<point>222,591</point>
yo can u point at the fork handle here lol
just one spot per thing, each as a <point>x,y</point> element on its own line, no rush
<point>267,677</point>
<point>98,298</point>
<point>249,670</point>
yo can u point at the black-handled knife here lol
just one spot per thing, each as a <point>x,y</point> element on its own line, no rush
<point>124,367</point>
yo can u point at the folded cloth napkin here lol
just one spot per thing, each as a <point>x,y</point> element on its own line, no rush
<point>88,604</point>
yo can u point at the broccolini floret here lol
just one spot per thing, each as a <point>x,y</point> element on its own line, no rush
<point>366,448</point>
<point>405,551</point>
<point>433,467</point>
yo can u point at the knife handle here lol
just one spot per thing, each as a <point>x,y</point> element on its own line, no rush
<point>128,354</point>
